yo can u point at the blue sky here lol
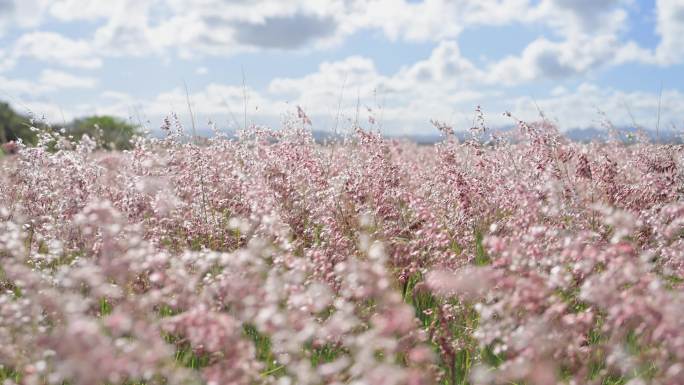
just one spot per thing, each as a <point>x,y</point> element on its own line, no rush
<point>401,62</point>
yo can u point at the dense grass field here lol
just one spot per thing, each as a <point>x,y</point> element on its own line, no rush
<point>270,259</point>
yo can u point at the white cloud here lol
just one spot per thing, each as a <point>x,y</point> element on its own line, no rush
<point>20,88</point>
<point>217,102</point>
<point>447,87</point>
<point>445,66</point>
<point>221,27</point>
<point>583,17</point>
<point>580,108</point>
<point>225,27</point>
<point>69,10</point>
<point>50,81</point>
<point>5,62</point>
<point>6,11</point>
<point>22,13</point>
<point>586,36</point>
<point>443,73</point>
<point>218,27</point>
<point>115,95</point>
<point>128,32</point>
<point>570,108</point>
<point>439,87</point>
<point>53,47</point>
<point>353,73</point>
<point>398,19</point>
<point>546,59</point>
<point>434,20</point>
<point>578,55</point>
<point>214,99</point>
<point>333,93</point>
<point>670,27</point>
<point>60,80</point>
<point>404,112</point>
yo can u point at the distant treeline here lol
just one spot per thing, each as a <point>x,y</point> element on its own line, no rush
<point>107,131</point>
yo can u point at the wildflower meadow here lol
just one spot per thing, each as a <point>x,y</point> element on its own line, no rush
<point>267,258</point>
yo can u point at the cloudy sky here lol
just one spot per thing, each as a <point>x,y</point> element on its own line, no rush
<point>402,62</point>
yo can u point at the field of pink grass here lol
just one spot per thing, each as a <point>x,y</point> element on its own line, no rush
<point>270,259</point>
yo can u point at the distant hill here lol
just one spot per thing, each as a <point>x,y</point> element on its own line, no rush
<point>626,134</point>
<point>578,135</point>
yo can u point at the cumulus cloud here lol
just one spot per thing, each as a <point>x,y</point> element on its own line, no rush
<point>443,74</point>
<point>19,88</point>
<point>337,91</point>
<point>53,47</point>
<point>446,86</point>
<point>670,27</point>
<point>402,112</point>
<point>219,27</point>
<point>216,102</point>
<point>399,19</point>
<point>127,30</point>
<point>588,36</point>
<point>585,106</point>
<point>22,13</point>
<point>445,65</point>
<point>223,28</point>
<point>60,80</point>
<point>5,61</point>
<point>572,17</point>
<point>579,37</point>
<point>284,32</point>
<point>443,86</point>
<point>49,81</point>
<point>546,59</point>
<point>354,72</point>
<point>117,39</point>
<point>578,55</point>
<point>407,112</point>
<point>439,86</point>
<point>69,10</point>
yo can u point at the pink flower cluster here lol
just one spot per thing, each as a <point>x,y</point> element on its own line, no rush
<point>518,258</point>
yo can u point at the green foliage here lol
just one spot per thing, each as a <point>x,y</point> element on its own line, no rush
<point>324,354</point>
<point>14,126</point>
<point>481,257</point>
<point>9,374</point>
<point>105,307</point>
<point>262,343</point>
<point>109,132</point>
